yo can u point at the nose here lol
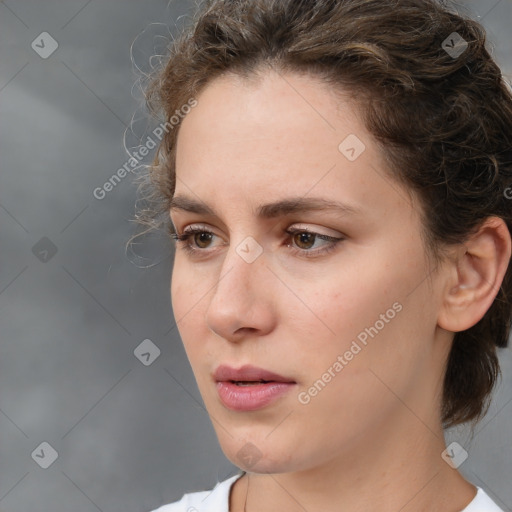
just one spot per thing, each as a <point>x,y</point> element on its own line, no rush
<point>243,300</point>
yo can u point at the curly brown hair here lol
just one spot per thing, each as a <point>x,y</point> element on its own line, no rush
<point>443,120</point>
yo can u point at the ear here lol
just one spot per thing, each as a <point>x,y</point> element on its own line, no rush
<point>475,276</point>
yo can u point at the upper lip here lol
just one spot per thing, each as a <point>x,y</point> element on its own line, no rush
<point>247,373</point>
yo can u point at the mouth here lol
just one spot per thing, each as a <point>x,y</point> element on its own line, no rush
<point>250,388</point>
<point>248,382</point>
<point>247,375</point>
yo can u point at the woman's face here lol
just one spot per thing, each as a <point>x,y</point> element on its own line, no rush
<point>353,322</point>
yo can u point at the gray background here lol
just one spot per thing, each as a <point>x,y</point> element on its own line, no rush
<point>129,437</point>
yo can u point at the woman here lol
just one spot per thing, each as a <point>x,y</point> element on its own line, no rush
<point>338,193</point>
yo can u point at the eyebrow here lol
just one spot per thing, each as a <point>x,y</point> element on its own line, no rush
<point>282,207</point>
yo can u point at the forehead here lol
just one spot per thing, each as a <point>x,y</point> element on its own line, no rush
<point>272,102</point>
<point>282,135</point>
<point>253,124</point>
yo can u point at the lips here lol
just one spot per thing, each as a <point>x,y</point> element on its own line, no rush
<point>246,374</point>
<point>250,388</point>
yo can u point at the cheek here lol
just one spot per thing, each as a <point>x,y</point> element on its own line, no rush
<point>365,316</point>
<point>188,289</point>
<point>383,324</point>
<point>177,288</point>
<point>190,293</point>
<point>340,363</point>
<point>186,305</point>
<point>343,305</point>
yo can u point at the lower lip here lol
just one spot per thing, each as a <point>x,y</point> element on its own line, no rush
<point>252,397</point>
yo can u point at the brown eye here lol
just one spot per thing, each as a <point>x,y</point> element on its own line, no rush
<point>304,240</point>
<point>194,240</point>
<point>202,237</point>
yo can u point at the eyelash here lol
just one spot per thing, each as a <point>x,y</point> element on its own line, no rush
<point>182,240</point>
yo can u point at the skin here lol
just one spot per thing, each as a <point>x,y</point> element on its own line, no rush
<point>372,438</point>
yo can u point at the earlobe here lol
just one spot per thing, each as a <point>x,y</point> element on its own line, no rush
<point>477,273</point>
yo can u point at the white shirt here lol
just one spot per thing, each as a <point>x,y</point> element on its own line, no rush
<point>217,500</point>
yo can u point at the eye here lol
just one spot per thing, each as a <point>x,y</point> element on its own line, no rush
<point>194,241</point>
<point>308,238</point>
<point>200,234</point>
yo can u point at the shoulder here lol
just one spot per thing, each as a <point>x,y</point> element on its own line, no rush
<point>482,503</point>
<point>213,500</point>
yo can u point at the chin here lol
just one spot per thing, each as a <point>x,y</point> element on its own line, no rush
<point>258,457</point>
<point>265,466</point>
